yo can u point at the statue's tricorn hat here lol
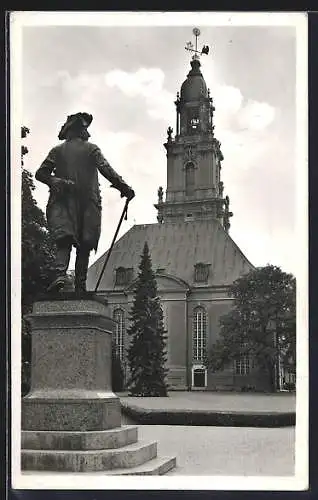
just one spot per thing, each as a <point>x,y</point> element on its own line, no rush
<point>78,120</point>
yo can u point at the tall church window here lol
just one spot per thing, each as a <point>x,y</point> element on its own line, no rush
<point>189,178</point>
<point>199,339</point>
<point>119,317</point>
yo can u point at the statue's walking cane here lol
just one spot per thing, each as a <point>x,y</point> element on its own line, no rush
<point>123,215</point>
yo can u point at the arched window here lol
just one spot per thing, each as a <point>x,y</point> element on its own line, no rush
<point>189,178</point>
<point>194,120</point>
<point>199,339</point>
<point>119,317</point>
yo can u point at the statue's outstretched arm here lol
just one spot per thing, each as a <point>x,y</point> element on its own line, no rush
<point>109,173</point>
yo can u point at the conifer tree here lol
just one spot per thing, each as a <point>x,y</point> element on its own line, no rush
<point>147,350</point>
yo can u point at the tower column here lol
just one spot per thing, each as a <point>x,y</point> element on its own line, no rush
<point>177,102</point>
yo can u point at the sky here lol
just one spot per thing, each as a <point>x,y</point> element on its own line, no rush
<point>128,77</point>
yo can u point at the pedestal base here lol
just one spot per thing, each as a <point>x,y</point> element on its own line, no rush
<point>91,440</point>
<point>71,367</point>
<point>71,419</point>
<point>61,414</point>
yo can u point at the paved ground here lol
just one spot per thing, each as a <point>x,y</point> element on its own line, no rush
<point>218,401</point>
<point>220,451</point>
<point>225,450</point>
<point>215,451</point>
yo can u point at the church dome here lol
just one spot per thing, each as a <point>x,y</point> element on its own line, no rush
<point>194,87</point>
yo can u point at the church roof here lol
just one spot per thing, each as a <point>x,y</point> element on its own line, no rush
<point>194,87</point>
<point>175,248</point>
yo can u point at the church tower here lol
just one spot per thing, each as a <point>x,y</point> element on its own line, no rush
<point>193,256</point>
<point>194,186</point>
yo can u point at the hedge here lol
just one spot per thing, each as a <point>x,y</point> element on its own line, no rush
<point>209,417</point>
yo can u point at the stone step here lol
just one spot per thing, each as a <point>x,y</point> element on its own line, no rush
<point>86,440</point>
<point>156,467</point>
<point>131,455</point>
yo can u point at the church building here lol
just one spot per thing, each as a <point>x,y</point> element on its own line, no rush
<point>193,256</point>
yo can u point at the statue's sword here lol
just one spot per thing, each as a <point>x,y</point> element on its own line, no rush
<point>123,215</point>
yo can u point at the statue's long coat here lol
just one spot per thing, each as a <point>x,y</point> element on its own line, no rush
<point>76,212</point>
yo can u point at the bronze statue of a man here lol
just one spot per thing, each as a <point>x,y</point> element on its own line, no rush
<point>74,207</point>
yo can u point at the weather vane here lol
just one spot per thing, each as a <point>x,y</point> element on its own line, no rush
<point>205,49</point>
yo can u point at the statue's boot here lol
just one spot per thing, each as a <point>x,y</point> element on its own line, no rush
<point>81,267</point>
<point>62,259</point>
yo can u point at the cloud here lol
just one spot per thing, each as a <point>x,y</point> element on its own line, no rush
<point>144,81</point>
<point>118,141</point>
<point>121,150</point>
<point>227,99</point>
<point>232,112</point>
<point>242,126</point>
<point>147,83</point>
<point>81,91</point>
<point>87,90</point>
<point>256,115</point>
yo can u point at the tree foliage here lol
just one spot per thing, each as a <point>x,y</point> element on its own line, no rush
<point>262,323</point>
<point>37,248</point>
<point>147,350</point>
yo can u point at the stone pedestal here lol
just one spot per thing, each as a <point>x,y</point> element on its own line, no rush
<point>71,419</point>
<point>71,368</point>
